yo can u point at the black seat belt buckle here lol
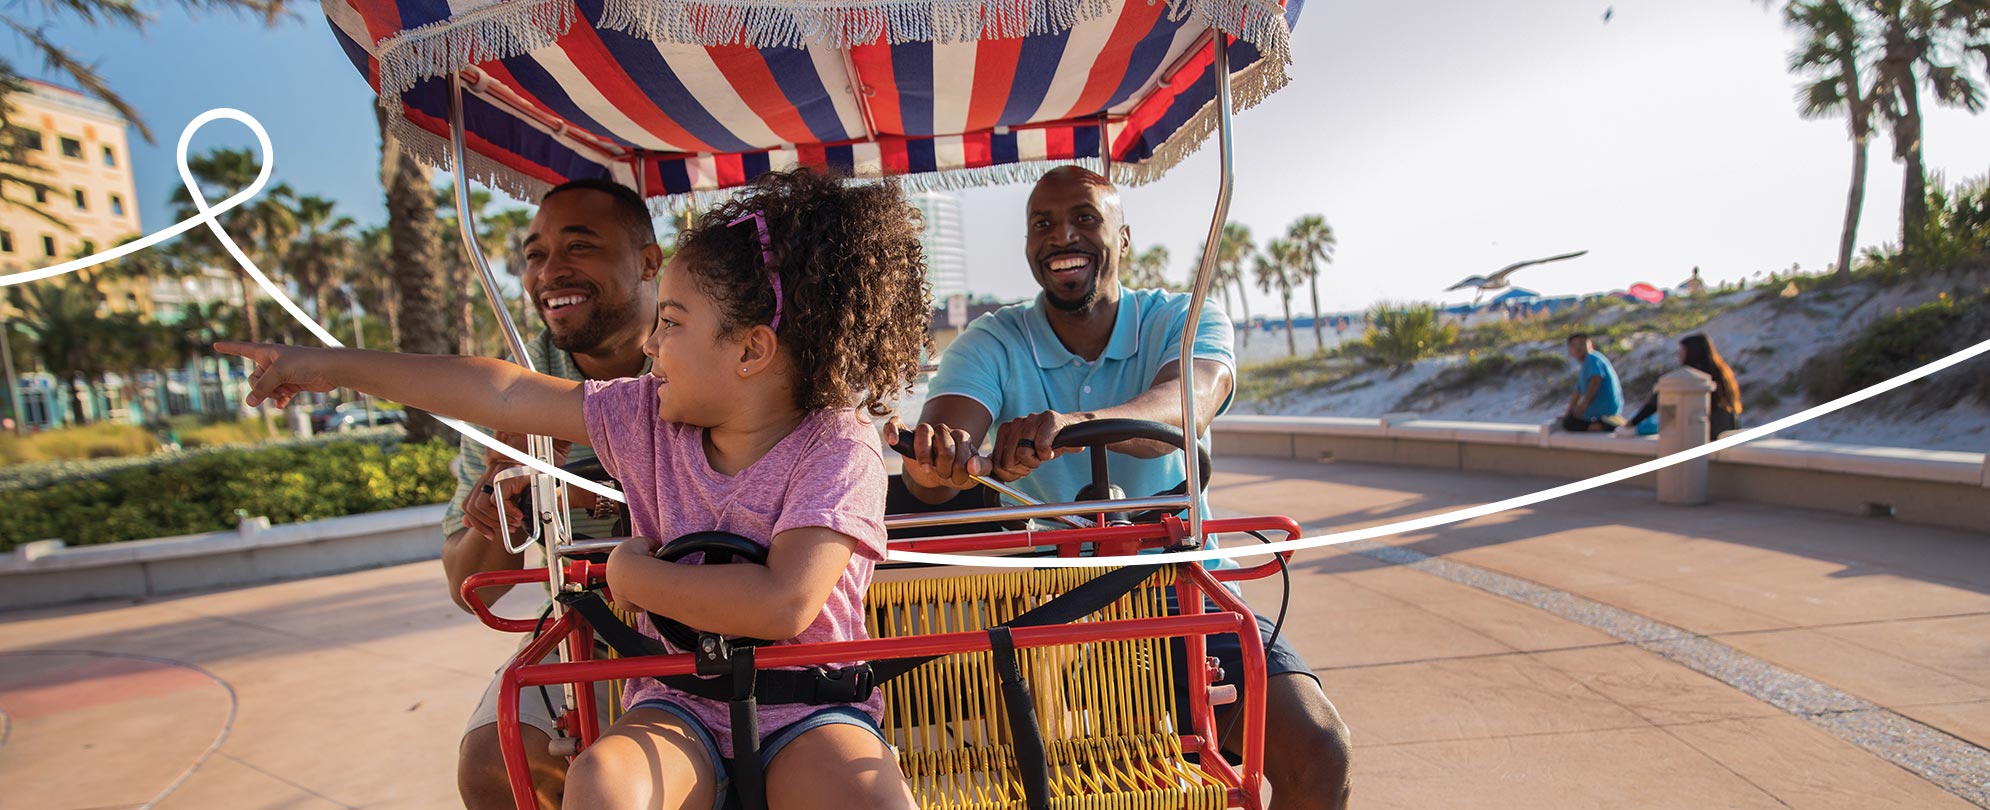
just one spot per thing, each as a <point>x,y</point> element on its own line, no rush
<point>846,685</point>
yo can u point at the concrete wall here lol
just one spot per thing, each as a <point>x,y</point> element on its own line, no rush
<point>47,573</point>
<point>1936,488</point>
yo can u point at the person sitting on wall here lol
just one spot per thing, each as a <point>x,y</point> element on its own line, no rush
<point>1599,397</point>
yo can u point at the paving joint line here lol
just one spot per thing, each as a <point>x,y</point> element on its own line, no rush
<point>1474,657</point>
<point>1948,762</point>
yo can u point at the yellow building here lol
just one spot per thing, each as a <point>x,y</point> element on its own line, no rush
<point>78,148</point>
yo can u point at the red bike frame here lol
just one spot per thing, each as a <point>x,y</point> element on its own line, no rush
<point>1194,584</point>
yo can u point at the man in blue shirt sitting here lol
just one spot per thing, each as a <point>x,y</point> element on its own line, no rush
<point>1598,402</point>
<point>1085,349</point>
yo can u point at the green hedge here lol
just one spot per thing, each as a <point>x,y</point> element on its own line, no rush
<point>203,493</point>
<point>43,474</point>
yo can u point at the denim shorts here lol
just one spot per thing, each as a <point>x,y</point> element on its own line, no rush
<point>1280,659</point>
<point>770,745</point>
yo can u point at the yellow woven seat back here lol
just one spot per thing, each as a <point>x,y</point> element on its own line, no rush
<point>1106,708</point>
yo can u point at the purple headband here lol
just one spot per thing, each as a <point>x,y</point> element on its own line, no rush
<point>767,258</point>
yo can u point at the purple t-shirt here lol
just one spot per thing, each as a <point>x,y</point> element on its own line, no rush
<point>828,473</point>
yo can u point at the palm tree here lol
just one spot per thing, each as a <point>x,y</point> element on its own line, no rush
<point>1828,58</point>
<point>507,229</point>
<point>1146,270</point>
<point>31,25</point>
<point>369,286</point>
<point>1313,240</point>
<point>462,274</point>
<point>1220,278</point>
<point>60,316</point>
<point>412,260</point>
<point>1278,269</point>
<point>316,260</point>
<point>1931,41</point>
<point>1235,249</point>
<point>263,228</point>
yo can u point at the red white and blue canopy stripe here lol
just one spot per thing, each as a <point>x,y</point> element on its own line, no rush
<point>702,96</point>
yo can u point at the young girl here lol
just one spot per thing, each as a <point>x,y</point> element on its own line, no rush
<point>783,314</point>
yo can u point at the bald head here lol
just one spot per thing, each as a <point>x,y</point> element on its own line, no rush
<point>1064,178</point>
<point>1077,238</point>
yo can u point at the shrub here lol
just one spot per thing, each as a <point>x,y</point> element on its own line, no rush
<point>1480,369</point>
<point>1291,375</point>
<point>1896,343</point>
<point>1958,225</point>
<point>214,434</point>
<point>202,492</point>
<point>103,440</point>
<point>1403,335</point>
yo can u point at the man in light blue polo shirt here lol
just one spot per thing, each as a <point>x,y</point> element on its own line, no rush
<point>1085,349</point>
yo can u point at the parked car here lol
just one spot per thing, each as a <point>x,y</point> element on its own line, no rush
<point>358,418</point>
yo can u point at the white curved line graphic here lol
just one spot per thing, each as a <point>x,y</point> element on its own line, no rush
<point>1458,515</point>
<point>208,216</point>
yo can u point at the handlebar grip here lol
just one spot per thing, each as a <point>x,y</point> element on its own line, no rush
<point>904,444</point>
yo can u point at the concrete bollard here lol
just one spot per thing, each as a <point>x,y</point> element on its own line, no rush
<point>1683,399</point>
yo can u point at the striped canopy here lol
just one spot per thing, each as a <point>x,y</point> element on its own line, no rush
<point>686,97</point>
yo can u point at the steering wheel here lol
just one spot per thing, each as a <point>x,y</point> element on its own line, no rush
<point>719,548</point>
<point>1098,433</point>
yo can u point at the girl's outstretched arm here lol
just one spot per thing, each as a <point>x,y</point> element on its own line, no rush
<point>492,393</point>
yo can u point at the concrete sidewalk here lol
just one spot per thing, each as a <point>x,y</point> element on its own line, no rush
<point>1598,651</point>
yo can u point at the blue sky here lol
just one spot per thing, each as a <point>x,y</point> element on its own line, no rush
<point>1440,139</point>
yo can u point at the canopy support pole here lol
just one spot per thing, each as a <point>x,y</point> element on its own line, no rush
<point>546,511</point>
<point>1105,150</point>
<point>1203,277</point>
<point>467,226</point>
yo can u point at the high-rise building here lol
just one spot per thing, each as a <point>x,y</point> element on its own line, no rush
<point>944,243</point>
<point>76,147</point>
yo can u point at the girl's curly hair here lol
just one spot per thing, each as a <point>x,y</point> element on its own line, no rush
<point>854,309</point>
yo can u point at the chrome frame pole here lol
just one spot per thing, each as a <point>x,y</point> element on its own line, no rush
<point>468,226</point>
<point>1045,510</point>
<point>1204,276</point>
<point>545,495</point>
<point>1018,496</point>
<point>1105,150</point>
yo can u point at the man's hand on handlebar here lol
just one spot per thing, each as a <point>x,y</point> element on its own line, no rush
<point>941,456</point>
<point>493,500</point>
<point>1026,443</point>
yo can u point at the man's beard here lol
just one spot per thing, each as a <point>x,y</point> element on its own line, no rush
<point>1084,300</point>
<point>1073,305</point>
<point>607,319</point>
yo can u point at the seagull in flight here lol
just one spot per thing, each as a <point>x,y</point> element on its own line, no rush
<point>1500,280</point>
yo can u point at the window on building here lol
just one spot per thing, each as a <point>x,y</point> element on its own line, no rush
<point>31,139</point>
<point>41,195</point>
<point>6,241</point>
<point>72,148</point>
<point>117,205</point>
<point>82,202</point>
<point>110,158</point>
<point>89,247</point>
<point>48,246</point>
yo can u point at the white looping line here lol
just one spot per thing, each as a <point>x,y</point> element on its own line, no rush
<point>209,216</point>
<point>1460,514</point>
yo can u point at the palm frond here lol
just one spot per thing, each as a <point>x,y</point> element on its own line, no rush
<point>96,11</point>
<point>59,59</point>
